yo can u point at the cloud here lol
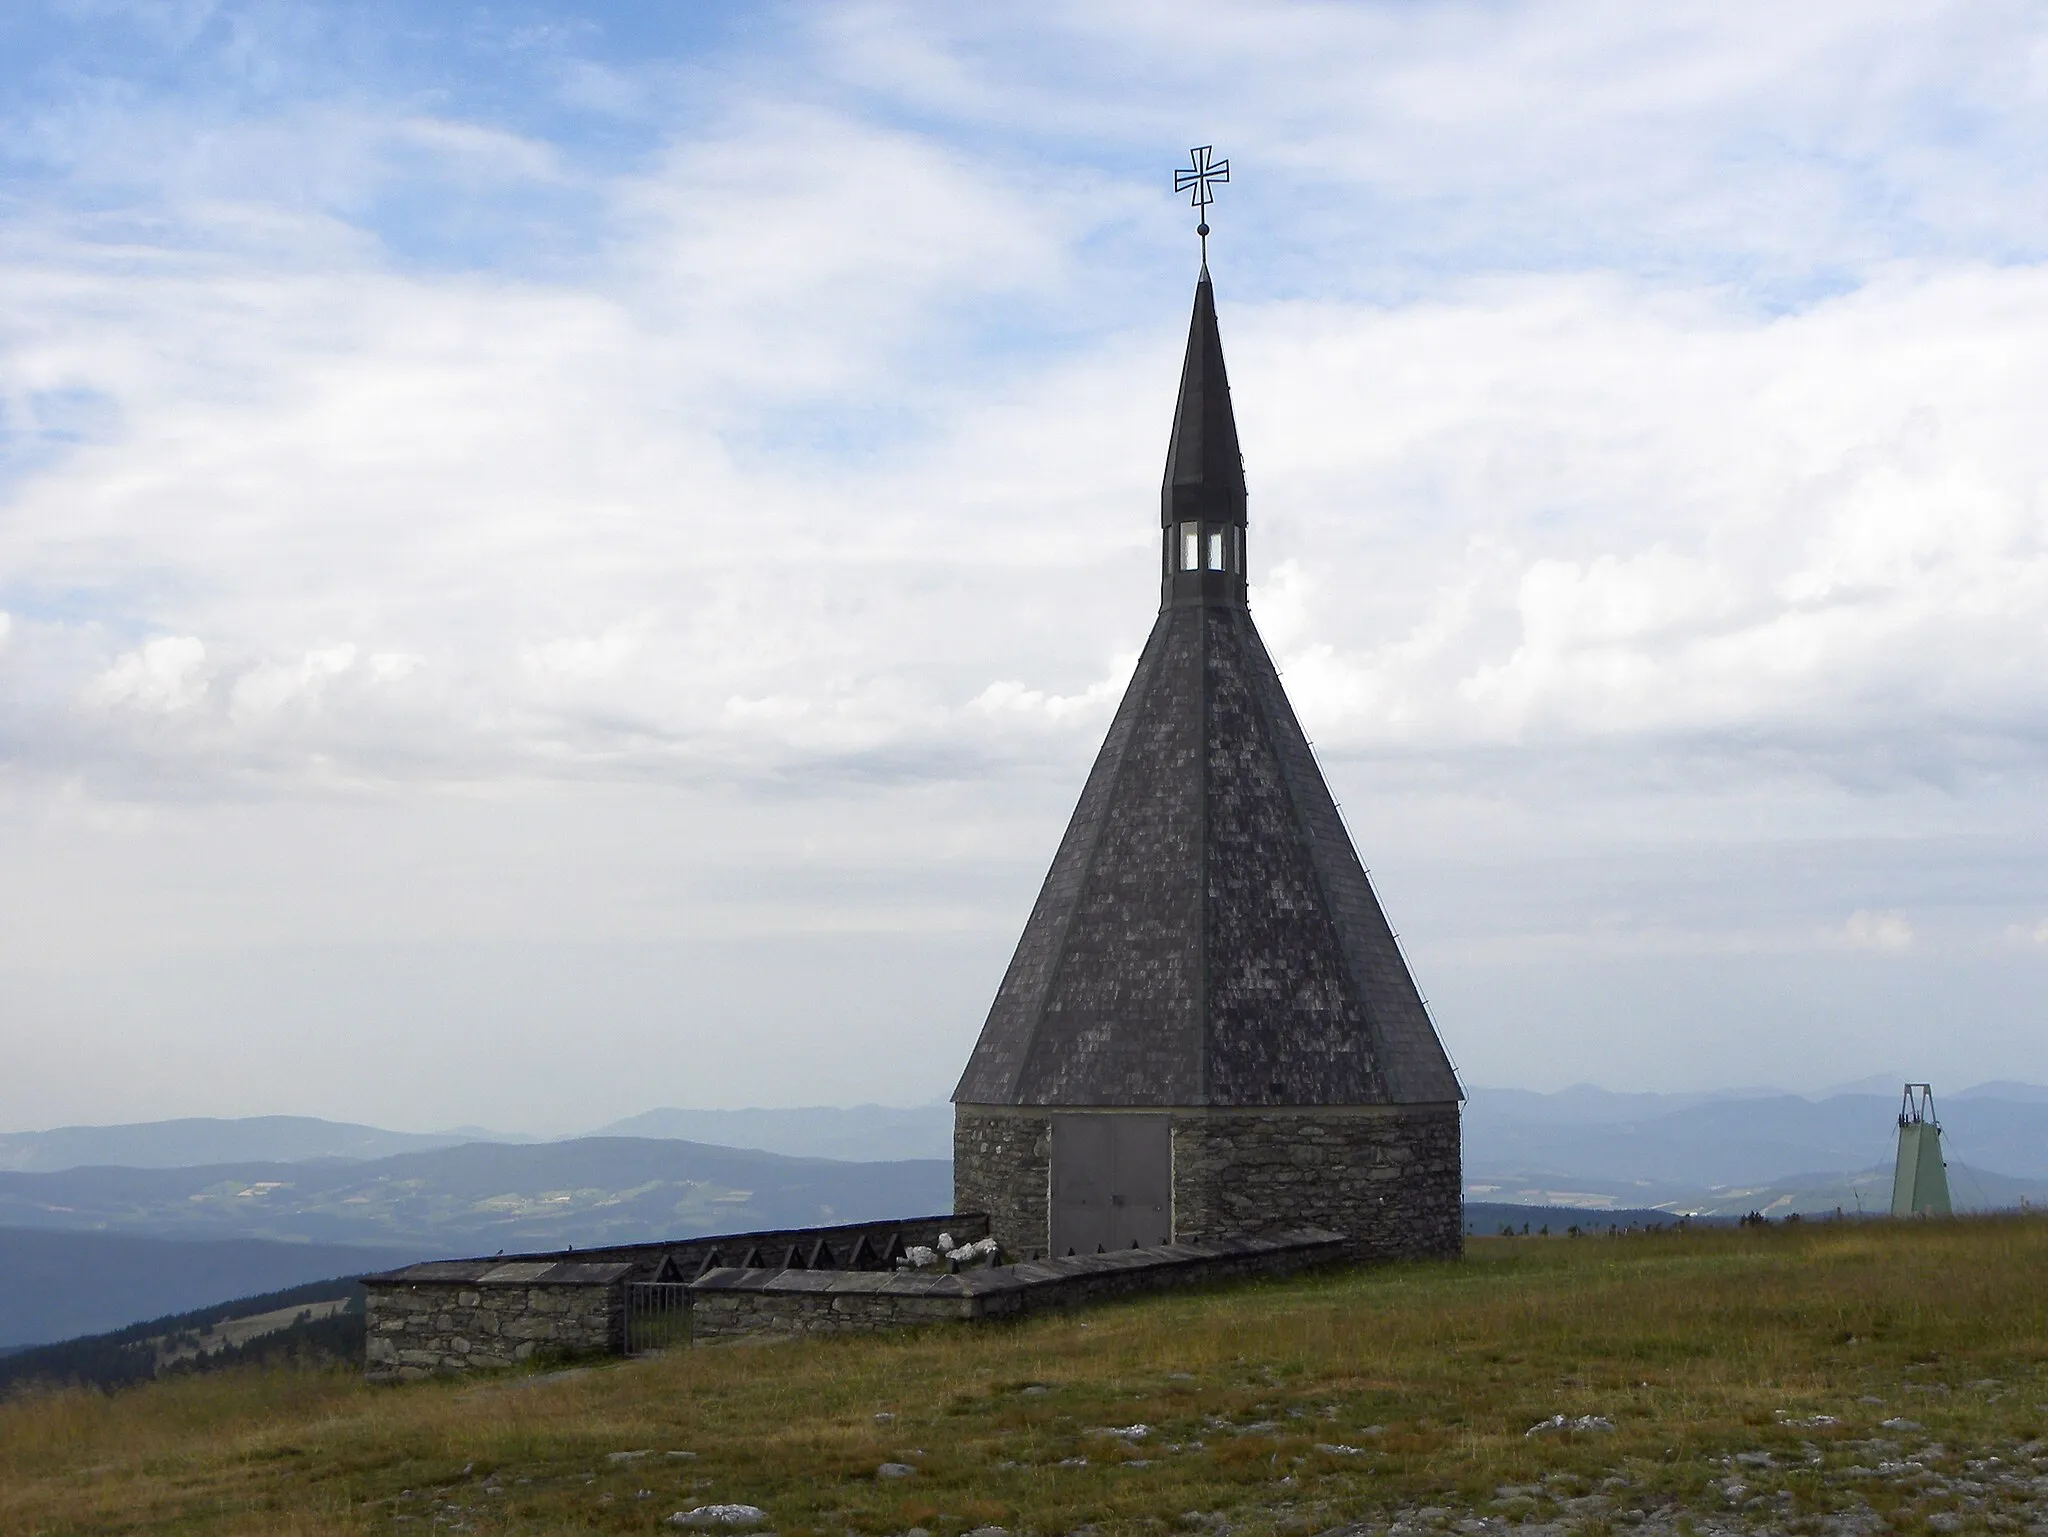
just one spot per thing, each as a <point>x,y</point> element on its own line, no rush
<point>1011,700</point>
<point>2034,935</point>
<point>1802,535</point>
<point>1801,531</point>
<point>270,687</point>
<point>1886,931</point>
<point>1777,154</point>
<point>165,675</point>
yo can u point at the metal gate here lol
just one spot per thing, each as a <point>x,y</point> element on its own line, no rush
<point>1112,1182</point>
<point>657,1315</point>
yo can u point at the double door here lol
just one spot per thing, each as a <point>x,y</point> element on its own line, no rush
<point>1112,1181</point>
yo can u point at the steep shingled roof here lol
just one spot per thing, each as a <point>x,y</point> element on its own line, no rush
<point>1207,934</point>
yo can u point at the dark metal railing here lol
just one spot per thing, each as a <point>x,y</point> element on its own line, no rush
<point>657,1315</point>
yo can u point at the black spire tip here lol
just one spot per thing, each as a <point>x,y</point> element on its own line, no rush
<point>1204,466</point>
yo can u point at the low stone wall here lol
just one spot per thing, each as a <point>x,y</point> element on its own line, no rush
<point>423,1329</point>
<point>731,1304</point>
<point>1388,1177</point>
<point>739,1303</point>
<point>472,1314</point>
<point>464,1315</point>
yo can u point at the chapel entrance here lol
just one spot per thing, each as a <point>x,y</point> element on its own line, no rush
<point>1112,1182</point>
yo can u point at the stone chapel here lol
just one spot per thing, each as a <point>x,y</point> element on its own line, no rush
<point>1208,1029</point>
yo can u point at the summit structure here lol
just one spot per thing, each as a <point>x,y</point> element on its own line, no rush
<point>1208,1029</point>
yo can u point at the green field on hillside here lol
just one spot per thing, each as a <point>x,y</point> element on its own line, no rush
<point>1803,1377</point>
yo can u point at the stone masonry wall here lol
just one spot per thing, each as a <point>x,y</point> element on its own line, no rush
<point>741,1303</point>
<point>1389,1178</point>
<point>1002,1165</point>
<point>779,1315</point>
<point>418,1331</point>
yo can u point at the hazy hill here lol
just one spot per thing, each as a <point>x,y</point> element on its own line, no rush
<point>57,1285</point>
<point>859,1132</point>
<point>2024,1093</point>
<point>1653,1148</point>
<point>481,1197</point>
<point>208,1140</point>
<point>856,1133</point>
<point>1860,1192</point>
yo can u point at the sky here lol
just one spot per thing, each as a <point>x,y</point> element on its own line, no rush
<point>561,559</point>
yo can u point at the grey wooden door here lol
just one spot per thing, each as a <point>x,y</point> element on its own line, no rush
<point>1112,1181</point>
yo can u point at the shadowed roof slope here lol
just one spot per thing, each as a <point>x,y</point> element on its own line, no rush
<point>1206,935</point>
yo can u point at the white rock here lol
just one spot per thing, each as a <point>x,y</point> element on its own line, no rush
<point>720,1515</point>
<point>1598,1423</point>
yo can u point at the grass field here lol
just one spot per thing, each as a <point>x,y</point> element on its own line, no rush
<point>1748,1376</point>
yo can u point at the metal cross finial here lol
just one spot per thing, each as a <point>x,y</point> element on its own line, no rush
<point>1199,178</point>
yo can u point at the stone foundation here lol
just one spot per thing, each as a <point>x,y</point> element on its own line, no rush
<point>1389,1177</point>
<point>1002,1165</point>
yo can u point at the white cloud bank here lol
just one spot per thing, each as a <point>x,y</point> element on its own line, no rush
<point>1549,513</point>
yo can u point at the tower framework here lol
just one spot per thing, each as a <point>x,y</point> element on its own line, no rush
<point>1920,1177</point>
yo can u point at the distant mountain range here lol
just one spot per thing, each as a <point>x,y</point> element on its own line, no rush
<point>1743,1150</point>
<point>859,1132</point>
<point>200,1140</point>
<point>482,1196</point>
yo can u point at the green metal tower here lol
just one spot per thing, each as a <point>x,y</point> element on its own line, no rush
<point>1920,1182</point>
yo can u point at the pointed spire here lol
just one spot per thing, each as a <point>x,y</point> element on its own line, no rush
<point>1204,467</point>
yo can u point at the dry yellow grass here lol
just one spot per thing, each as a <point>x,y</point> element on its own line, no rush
<point>1694,1346</point>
